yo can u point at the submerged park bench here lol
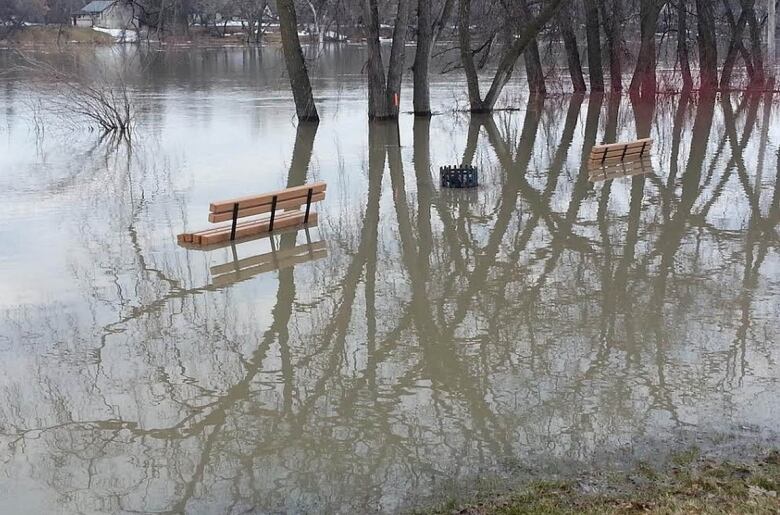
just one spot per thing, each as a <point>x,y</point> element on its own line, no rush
<point>617,152</point>
<point>283,208</point>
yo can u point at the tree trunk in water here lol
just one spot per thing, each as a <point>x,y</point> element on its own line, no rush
<point>533,70</point>
<point>428,31</point>
<point>442,20</point>
<point>682,46</point>
<point>250,30</point>
<point>533,62</point>
<point>644,79</point>
<point>377,100</point>
<point>771,41</point>
<point>708,51</point>
<point>507,63</point>
<point>467,58</point>
<point>612,15</point>
<point>160,20</point>
<point>757,81</point>
<point>384,92</point>
<point>734,46</point>
<point>594,46</point>
<point>572,52</point>
<point>395,72</point>
<point>422,59</point>
<point>296,65</point>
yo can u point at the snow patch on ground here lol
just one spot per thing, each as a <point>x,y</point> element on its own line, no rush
<point>120,35</point>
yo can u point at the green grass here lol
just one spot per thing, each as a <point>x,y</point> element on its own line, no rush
<point>690,484</point>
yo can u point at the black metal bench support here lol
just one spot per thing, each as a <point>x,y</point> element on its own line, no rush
<point>235,222</point>
<point>308,205</point>
<point>274,202</point>
<point>273,213</point>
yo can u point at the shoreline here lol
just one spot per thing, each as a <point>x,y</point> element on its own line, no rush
<point>56,36</point>
<point>691,482</point>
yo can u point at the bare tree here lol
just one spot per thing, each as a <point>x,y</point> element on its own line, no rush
<point>683,55</point>
<point>508,59</point>
<point>735,45</point>
<point>758,79</point>
<point>319,15</point>
<point>296,64</point>
<point>612,17</point>
<point>595,71</point>
<point>572,51</point>
<point>708,51</point>
<point>384,91</point>
<point>533,62</point>
<point>428,31</point>
<point>103,101</point>
<point>644,79</point>
<point>771,41</point>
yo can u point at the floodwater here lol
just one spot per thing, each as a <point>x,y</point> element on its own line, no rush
<point>413,342</point>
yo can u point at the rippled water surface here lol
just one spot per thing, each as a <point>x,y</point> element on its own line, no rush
<point>417,338</point>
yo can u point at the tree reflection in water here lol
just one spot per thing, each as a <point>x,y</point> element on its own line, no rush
<point>541,319</point>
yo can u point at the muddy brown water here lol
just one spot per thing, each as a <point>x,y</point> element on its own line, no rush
<point>424,338</point>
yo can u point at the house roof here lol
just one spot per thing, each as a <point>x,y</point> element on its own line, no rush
<point>96,7</point>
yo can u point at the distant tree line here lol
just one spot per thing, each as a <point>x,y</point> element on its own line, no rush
<point>711,39</point>
<point>710,36</point>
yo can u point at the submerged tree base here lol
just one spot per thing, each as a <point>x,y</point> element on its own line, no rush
<point>690,484</point>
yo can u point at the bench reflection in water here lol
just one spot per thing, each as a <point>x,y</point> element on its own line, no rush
<point>285,252</point>
<point>620,170</point>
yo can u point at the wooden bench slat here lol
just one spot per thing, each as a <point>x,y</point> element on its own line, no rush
<point>628,150</point>
<point>616,159</point>
<point>256,227</point>
<point>226,206</point>
<point>620,148</point>
<point>199,236</point>
<point>194,237</point>
<point>294,203</point>
<point>611,146</point>
<point>634,154</point>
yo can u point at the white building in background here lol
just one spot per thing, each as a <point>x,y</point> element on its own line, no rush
<point>107,14</point>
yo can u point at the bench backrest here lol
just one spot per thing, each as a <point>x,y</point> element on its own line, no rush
<point>620,151</point>
<point>282,200</point>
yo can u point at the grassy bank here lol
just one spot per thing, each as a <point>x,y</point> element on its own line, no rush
<point>55,35</point>
<point>690,484</point>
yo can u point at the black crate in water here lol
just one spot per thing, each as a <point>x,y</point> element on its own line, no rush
<point>464,176</point>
